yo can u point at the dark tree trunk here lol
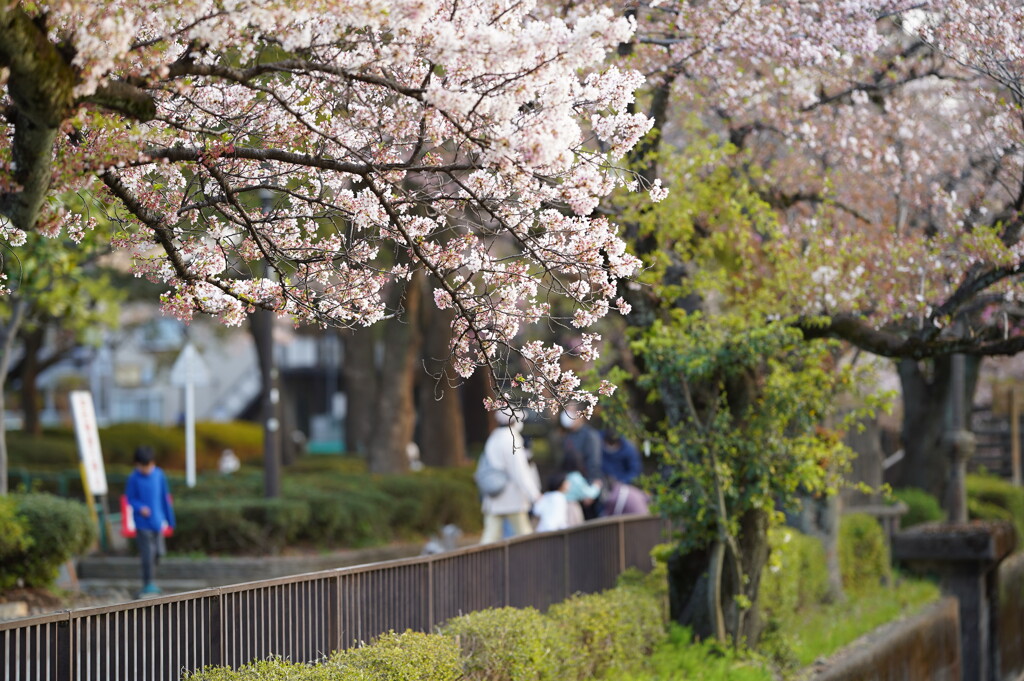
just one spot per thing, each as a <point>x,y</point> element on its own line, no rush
<point>926,399</point>
<point>8,332</point>
<point>689,583</point>
<point>30,368</point>
<point>927,393</point>
<point>396,402</point>
<point>442,433</point>
<point>360,371</point>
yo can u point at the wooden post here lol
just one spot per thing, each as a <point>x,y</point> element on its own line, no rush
<point>1015,436</point>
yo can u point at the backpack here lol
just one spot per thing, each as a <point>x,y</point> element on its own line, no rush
<point>490,479</point>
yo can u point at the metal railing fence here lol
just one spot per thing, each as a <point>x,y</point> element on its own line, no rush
<point>304,617</point>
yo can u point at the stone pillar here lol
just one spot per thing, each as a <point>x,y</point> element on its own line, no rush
<point>965,557</point>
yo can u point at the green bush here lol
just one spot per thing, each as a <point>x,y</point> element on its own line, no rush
<point>275,669</point>
<point>863,553</point>
<point>353,517</point>
<point>245,525</point>
<point>57,528</point>
<point>315,463</point>
<point>15,540</point>
<point>921,506</point>
<point>619,627</point>
<point>412,656</point>
<point>432,498</point>
<point>610,632</point>
<point>53,450</point>
<point>992,498</point>
<point>511,644</point>
<point>797,573</point>
<point>56,449</point>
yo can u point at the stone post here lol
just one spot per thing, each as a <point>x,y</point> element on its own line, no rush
<point>965,557</point>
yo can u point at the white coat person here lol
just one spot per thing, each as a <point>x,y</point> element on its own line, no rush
<point>505,449</point>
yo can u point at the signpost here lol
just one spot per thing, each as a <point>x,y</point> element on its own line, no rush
<point>188,371</point>
<point>94,476</point>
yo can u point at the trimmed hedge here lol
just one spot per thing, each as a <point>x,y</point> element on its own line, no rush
<point>56,448</point>
<point>411,656</point>
<point>921,506</point>
<point>864,561</point>
<point>610,632</point>
<point>56,529</point>
<point>512,644</point>
<point>239,525</point>
<point>15,539</point>
<point>228,514</point>
<point>797,574</point>
<point>992,498</point>
<point>583,638</point>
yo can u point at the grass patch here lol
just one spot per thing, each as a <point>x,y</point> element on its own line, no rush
<point>799,638</point>
<point>680,658</point>
<point>822,630</point>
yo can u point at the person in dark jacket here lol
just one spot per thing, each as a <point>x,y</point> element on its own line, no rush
<point>620,460</point>
<point>150,499</point>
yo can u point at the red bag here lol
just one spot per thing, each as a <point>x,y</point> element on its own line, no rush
<point>128,520</point>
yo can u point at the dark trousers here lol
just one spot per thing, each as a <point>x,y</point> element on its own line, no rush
<point>150,550</point>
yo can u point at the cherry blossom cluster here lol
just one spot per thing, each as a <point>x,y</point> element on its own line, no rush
<point>886,134</point>
<point>309,155</point>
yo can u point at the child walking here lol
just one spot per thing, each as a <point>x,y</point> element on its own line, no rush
<point>150,500</point>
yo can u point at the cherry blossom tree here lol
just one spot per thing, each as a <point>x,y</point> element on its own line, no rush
<point>885,136</point>
<point>468,140</point>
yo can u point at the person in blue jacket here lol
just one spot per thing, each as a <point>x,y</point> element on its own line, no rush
<point>620,460</point>
<point>150,499</point>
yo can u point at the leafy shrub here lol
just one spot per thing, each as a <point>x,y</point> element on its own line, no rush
<point>449,498</point>
<point>15,539</point>
<point>244,438</point>
<point>503,644</point>
<point>228,514</point>
<point>921,506</point>
<point>797,573</point>
<point>57,528</point>
<point>863,553</point>
<point>353,517</point>
<point>610,632</point>
<point>275,669</point>
<point>55,449</point>
<point>992,498</point>
<point>412,656</point>
<point>511,644</point>
<point>315,463</point>
<point>252,525</point>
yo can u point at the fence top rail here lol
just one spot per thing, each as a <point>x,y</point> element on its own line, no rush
<point>63,616</point>
<point>216,592</point>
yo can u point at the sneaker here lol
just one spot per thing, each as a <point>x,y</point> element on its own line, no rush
<point>150,590</point>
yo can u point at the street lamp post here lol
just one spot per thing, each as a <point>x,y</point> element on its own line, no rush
<point>264,330</point>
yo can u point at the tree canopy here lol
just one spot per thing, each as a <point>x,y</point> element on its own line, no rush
<point>344,145</point>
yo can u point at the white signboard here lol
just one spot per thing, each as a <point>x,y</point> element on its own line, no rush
<point>88,437</point>
<point>189,368</point>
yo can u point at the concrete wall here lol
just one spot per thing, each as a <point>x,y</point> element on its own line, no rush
<point>1010,619</point>
<point>925,647</point>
